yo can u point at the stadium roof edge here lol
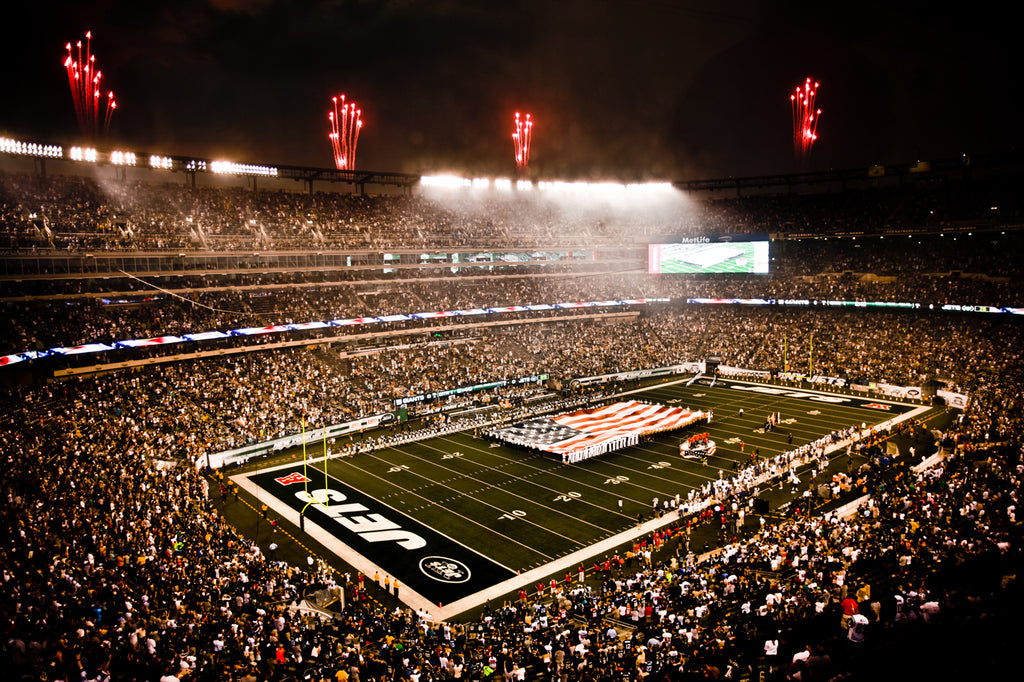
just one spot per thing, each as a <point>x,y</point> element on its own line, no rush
<point>893,174</point>
<point>877,174</point>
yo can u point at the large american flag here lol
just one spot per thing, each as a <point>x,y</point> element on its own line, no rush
<point>572,431</point>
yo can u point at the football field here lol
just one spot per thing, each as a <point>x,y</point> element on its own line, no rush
<point>458,519</point>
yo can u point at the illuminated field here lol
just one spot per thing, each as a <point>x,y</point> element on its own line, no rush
<point>458,518</point>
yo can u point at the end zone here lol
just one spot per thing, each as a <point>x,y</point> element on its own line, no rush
<point>429,567</point>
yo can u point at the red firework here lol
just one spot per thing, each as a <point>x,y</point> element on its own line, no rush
<point>521,140</point>
<point>346,122</point>
<point>84,80</point>
<point>805,118</point>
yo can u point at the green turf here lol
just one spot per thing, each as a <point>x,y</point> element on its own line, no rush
<point>524,509</point>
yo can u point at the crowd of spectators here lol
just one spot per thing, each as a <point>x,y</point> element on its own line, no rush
<point>133,309</point>
<point>104,548</point>
<point>71,212</point>
<point>800,598</point>
<point>234,400</point>
<point>77,213</point>
<point>81,467</point>
<point>978,270</point>
<point>117,564</point>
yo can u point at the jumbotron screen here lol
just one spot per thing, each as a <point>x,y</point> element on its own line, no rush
<point>730,254</point>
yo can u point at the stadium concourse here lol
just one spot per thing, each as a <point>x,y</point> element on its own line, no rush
<point>125,560</point>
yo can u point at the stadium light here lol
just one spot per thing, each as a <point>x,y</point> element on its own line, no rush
<point>87,154</point>
<point>122,158</point>
<point>444,181</point>
<point>47,151</point>
<point>232,168</point>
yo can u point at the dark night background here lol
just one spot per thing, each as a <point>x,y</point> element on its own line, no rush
<point>641,89</point>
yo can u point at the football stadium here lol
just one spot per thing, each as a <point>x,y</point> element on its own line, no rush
<point>270,419</point>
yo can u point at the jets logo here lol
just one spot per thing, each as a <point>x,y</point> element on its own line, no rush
<point>444,570</point>
<point>292,478</point>
<point>878,406</point>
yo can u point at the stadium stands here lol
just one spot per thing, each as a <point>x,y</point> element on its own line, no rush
<point>118,561</point>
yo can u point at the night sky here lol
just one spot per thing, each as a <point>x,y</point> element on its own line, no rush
<point>639,89</point>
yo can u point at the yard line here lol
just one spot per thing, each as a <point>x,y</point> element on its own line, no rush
<point>623,455</point>
<point>485,484</point>
<point>596,460</point>
<point>472,521</point>
<point>520,478</point>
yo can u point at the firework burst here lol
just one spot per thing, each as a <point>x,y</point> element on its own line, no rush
<point>805,118</point>
<point>521,134</point>
<point>85,81</point>
<point>346,122</point>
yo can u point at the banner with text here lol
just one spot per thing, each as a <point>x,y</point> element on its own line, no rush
<point>247,452</point>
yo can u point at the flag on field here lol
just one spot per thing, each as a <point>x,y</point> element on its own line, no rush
<point>573,431</point>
